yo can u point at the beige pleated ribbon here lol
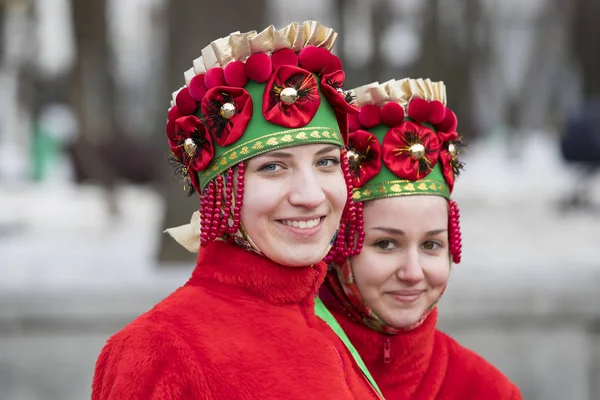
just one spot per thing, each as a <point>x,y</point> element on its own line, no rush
<point>401,92</point>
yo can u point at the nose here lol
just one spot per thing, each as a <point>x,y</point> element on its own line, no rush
<point>307,190</point>
<point>410,269</point>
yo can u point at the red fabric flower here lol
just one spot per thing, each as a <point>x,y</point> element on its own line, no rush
<point>449,123</point>
<point>294,114</point>
<point>401,148</point>
<point>194,156</point>
<point>451,165</point>
<point>186,104</point>
<point>447,136</point>
<point>447,171</point>
<point>225,130</point>
<point>331,86</point>
<point>364,156</point>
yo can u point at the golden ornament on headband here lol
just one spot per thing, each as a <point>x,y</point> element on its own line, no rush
<point>452,149</point>
<point>353,159</point>
<point>227,110</point>
<point>189,146</point>
<point>289,95</point>
<point>417,151</point>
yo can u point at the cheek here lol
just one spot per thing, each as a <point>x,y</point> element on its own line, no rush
<point>371,271</point>
<point>336,190</point>
<point>438,273</point>
<point>260,200</point>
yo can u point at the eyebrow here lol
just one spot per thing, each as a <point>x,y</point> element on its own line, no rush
<point>400,232</point>
<point>327,149</point>
<point>283,154</point>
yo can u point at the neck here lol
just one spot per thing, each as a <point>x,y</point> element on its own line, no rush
<point>257,275</point>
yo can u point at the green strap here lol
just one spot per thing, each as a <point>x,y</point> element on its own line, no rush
<point>326,316</point>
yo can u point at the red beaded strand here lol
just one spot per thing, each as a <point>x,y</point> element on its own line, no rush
<point>217,208</point>
<point>454,233</point>
<point>239,199</point>
<point>344,245</point>
<point>207,212</point>
<point>360,228</point>
<point>216,221</point>
<point>227,211</point>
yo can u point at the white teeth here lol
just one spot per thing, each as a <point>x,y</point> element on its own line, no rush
<point>303,224</point>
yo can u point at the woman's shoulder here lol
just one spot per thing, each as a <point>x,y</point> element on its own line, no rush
<point>150,352</point>
<point>474,372</point>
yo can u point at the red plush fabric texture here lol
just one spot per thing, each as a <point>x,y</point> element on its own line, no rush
<point>392,114</point>
<point>450,122</point>
<point>185,103</point>
<point>315,59</point>
<point>226,131</point>
<point>437,112</point>
<point>259,67</point>
<point>170,128</point>
<point>241,328</point>
<point>425,363</point>
<point>367,146</point>
<point>235,74</point>
<point>398,158</point>
<point>284,57</point>
<point>333,64</point>
<point>214,77</point>
<point>369,116</point>
<point>419,109</point>
<point>297,114</point>
<point>174,114</point>
<point>197,87</point>
<point>192,127</point>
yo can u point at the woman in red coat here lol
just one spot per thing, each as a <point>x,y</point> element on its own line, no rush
<point>255,131</point>
<point>403,150</point>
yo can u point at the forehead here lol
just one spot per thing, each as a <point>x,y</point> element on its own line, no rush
<point>298,151</point>
<point>417,210</point>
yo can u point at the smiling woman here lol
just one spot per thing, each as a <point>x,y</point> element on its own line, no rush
<point>293,202</point>
<point>404,154</point>
<point>255,131</point>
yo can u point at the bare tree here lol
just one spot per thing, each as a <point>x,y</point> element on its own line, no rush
<point>92,92</point>
<point>585,36</point>
<point>193,24</point>
<point>444,56</point>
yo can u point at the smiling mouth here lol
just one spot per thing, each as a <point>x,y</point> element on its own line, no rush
<point>407,297</point>
<point>302,224</point>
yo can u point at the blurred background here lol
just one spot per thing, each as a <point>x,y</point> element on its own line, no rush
<point>85,188</point>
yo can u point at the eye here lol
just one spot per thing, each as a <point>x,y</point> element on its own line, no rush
<point>272,168</point>
<point>328,162</point>
<point>431,245</point>
<point>385,245</point>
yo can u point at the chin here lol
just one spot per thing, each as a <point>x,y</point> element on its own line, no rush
<point>403,319</point>
<point>303,255</point>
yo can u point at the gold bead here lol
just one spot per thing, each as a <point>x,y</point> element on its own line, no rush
<point>189,146</point>
<point>417,151</point>
<point>353,159</point>
<point>452,149</point>
<point>289,95</point>
<point>228,110</point>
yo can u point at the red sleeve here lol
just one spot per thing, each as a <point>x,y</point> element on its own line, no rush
<point>147,363</point>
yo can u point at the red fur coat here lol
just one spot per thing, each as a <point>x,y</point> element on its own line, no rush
<point>423,364</point>
<point>241,328</point>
